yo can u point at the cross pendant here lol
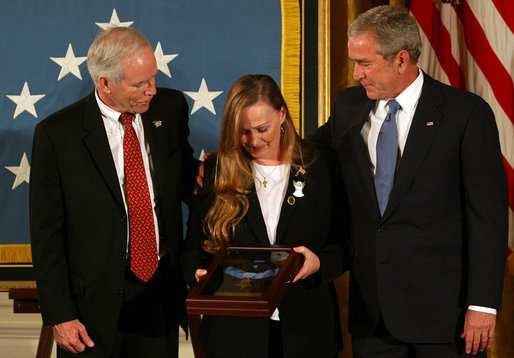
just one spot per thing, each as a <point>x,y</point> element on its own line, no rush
<point>265,182</point>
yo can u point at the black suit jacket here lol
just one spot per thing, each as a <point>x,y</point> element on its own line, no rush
<point>441,244</point>
<point>78,219</point>
<point>309,312</point>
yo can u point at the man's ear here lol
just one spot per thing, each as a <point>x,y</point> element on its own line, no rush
<point>402,58</point>
<point>104,84</point>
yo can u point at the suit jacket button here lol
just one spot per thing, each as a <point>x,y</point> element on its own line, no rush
<point>123,218</point>
<point>381,229</point>
<point>119,292</point>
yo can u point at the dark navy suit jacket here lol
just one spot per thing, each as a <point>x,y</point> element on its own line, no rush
<point>441,244</point>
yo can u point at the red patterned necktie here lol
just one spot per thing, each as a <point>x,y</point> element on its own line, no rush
<point>143,246</point>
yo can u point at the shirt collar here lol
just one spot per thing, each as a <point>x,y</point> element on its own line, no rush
<point>107,112</point>
<point>408,99</point>
<point>112,117</point>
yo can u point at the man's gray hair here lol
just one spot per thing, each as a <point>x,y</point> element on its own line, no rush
<point>393,28</point>
<point>106,53</point>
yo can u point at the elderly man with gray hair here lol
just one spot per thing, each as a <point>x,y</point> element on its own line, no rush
<point>108,176</point>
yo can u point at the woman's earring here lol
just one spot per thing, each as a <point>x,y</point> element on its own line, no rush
<point>282,130</point>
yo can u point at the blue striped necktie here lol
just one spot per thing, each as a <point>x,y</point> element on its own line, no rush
<point>387,152</point>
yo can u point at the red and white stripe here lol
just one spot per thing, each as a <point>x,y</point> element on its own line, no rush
<point>471,46</point>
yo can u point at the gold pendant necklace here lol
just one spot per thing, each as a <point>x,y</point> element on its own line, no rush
<point>264,180</point>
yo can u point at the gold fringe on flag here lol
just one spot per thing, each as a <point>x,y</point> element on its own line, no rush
<point>15,254</point>
<point>291,58</point>
<point>5,286</point>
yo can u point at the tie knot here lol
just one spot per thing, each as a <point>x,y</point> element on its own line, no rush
<point>126,118</point>
<point>394,106</point>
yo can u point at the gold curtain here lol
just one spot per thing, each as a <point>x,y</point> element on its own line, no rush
<point>503,345</point>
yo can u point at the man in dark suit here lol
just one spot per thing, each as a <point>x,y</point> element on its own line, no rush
<point>428,196</point>
<point>86,211</point>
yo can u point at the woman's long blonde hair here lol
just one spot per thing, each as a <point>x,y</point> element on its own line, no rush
<point>234,178</point>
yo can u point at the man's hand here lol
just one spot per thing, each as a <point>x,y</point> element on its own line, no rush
<point>72,336</point>
<point>478,331</point>
<point>310,265</point>
<point>199,274</point>
<point>199,180</point>
<point>199,175</point>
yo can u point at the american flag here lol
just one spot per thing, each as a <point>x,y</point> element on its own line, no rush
<point>201,47</point>
<point>469,44</point>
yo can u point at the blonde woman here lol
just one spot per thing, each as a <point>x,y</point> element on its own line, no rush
<point>268,186</point>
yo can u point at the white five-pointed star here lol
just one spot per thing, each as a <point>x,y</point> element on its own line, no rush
<point>69,63</point>
<point>22,171</point>
<point>163,60</point>
<point>203,98</point>
<point>114,22</point>
<point>202,155</point>
<point>25,101</point>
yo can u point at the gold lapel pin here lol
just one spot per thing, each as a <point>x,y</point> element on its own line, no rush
<point>291,200</point>
<point>157,124</point>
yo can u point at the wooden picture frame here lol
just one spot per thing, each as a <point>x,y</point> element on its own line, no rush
<point>245,281</point>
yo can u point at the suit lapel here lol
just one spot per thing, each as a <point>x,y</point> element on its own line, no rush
<point>290,206</point>
<point>362,163</point>
<point>256,221</point>
<point>425,124</point>
<point>97,144</point>
<point>153,129</point>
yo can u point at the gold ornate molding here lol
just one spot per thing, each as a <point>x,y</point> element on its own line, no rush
<point>291,58</point>
<point>323,61</point>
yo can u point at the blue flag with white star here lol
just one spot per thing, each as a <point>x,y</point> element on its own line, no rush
<point>201,47</point>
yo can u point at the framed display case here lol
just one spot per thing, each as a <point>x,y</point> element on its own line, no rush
<point>245,281</point>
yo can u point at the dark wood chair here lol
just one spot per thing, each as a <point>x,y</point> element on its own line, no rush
<point>26,301</point>
<point>193,321</point>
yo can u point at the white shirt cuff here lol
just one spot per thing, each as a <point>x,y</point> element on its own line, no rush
<point>482,309</point>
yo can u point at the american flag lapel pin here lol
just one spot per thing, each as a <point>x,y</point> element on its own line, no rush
<point>430,124</point>
<point>157,124</point>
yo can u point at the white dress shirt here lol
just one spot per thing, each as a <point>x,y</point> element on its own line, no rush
<point>115,132</point>
<point>271,198</point>
<point>408,101</point>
